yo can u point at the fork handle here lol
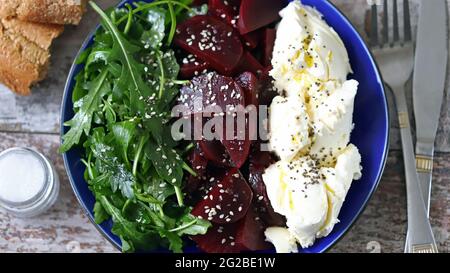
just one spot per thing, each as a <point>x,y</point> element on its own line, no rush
<point>421,238</point>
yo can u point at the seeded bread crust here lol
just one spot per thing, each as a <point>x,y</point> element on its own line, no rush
<point>24,57</point>
<point>40,34</point>
<point>44,11</point>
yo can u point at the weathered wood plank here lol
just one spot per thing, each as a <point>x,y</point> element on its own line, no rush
<point>40,112</point>
<point>384,221</point>
<point>65,226</point>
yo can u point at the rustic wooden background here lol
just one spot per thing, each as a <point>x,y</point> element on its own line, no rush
<point>34,122</point>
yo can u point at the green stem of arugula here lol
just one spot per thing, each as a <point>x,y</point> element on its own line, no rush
<point>151,5</point>
<point>188,148</point>
<point>115,33</point>
<point>179,195</point>
<point>129,20</point>
<point>162,77</point>
<point>187,168</point>
<point>116,217</point>
<point>88,168</point>
<point>138,155</point>
<point>149,199</point>
<point>173,27</point>
<point>180,82</point>
<point>183,226</point>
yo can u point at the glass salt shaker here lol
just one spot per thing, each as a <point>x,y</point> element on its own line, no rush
<point>29,184</point>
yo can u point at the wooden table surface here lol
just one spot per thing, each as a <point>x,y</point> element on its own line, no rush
<point>34,122</point>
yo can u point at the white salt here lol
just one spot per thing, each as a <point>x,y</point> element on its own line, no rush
<point>22,176</point>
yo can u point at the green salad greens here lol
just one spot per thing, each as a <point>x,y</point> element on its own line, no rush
<point>122,101</point>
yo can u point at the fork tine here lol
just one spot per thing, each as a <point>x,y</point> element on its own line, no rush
<point>385,23</point>
<point>396,28</point>
<point>407,21</point>
<point>374,26</point>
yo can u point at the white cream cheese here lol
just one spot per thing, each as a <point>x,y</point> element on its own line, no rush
<point>282,239</point>
<point>288,126</point>
<point>306,48</point>
<point>317,166</point>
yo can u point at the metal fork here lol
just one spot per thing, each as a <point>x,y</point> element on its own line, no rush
<point>395,58</point>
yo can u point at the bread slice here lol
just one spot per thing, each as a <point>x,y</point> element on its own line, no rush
<point>24,53</point>
<point>40,34</point>
<point>44,11</point>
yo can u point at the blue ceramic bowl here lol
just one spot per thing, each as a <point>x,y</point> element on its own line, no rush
<point>371,133</point>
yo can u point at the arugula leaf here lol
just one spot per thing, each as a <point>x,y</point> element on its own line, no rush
<point>132,237</point>
<point>191,225</point>
<point>131,78</point>
<point>100,214</point>
<point>167,162</point>
<point>82,119</point>
<point>115,172</point>
<point>153,37</point>
<point>123,133</point>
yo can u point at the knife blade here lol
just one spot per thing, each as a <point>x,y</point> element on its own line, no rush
<point>430,71</point>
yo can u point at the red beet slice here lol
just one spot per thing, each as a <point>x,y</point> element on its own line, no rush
<point>249,82</point>
<point>198,163</point>
<point>212,41</point>
<point>250,233</point>
<point>227,201</point>
<point>238,151</point>
<point>255,14</point>
<point>267,90</point>
<point>220,239</point>
<point>249,63</point>
<point>259,161</point>
<point>214,90</point>
<point>211,89</point>
<point>225,10</point>
<point>215,152</point>
<point>226,153</point>
<point>228,11</point>
<point>192,66</point>
<point>268,44</point>
<point>251,40</point>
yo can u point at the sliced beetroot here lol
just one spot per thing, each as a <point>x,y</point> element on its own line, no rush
<point>225,10</point>
<point>258,162</point>
<point>192,66</point>
<point>228,12</point>
<point>249,63</point>
<point>220,238</point>
<point>252,39</point>
<point>268,45</point>
<point>211,89</point>
<point>249,82</point>
<point>198,164</point>
<point>255,14</point>
<point>238,150</point>
<point>199,186</point>
<point>250,233</point>
<point>216,153</point>
<point>238,144</point>
<point>227,201</point>
<point>214,90</point>
<point>212,41</point>
<point>197,161</point>
<point>267,91</point>
<point>227,153</point>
